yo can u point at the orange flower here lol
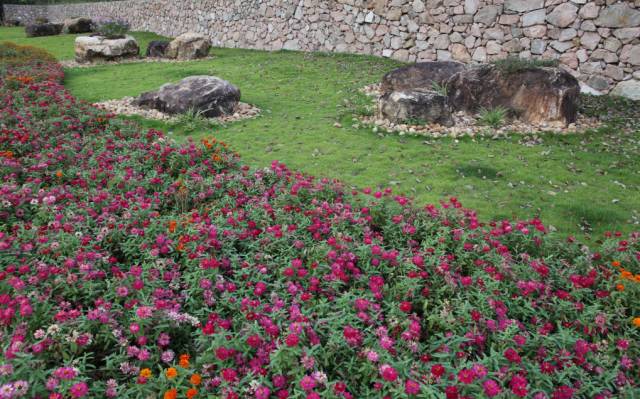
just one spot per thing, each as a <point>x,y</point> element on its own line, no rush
<point>191,393</point>
<point>195,379</point>
<point>637,278</point>
<point>620,287</point>
<point>172,226</point>
<point>6,154</point>
<point>184,361</point>
<point>171,372</point>
<point>171,394</point>
<point>625,275</point>
<point>146,373</point>
<point>615,263</point>
<point>59,174</point>
<point>636,322</point>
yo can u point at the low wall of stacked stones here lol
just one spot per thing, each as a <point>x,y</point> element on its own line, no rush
<point>598,41</point>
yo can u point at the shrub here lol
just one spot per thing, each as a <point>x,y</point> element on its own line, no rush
<point>132,266</point>
<point>514,64</point>
<point>111,28</point>
<point>494,117</point>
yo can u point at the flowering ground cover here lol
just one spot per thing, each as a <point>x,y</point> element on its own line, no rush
<point>132,266</point>
<point>582,185</point>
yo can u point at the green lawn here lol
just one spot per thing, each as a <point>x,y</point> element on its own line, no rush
<point>574,183</point>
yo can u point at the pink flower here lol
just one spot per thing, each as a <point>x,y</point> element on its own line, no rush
<point>307,383</point>
<point>491,388</point>
<point>388,373</point>
<point>411,387</point>
<point>79,390</point>
<point>292,340</point>
<point>466,376</point>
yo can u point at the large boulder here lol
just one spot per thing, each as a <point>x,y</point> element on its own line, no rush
<point>208,95</point>
<point>189,46</point>
<point>629,89</point>
<point>536,95</point>
<point>95,48</point>
<point>422,75</point>
<point>157,48</point>
<point>47,29</point>
<point>77,25</point>
<point>415,106</point>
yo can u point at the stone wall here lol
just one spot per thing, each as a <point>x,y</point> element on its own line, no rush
<point>596,40</point>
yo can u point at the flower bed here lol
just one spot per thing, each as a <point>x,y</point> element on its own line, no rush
<point>136,267</point>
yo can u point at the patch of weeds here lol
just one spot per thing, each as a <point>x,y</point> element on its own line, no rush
<point>517,64</point>
<point>494,117</point>
<point>359,104</point>
<point>193,121</point>
<point>478,171</point>
<point>416,122</point>
<point>441,89</point>
<point>615,111</point>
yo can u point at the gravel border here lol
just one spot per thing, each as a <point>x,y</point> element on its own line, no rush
<point>467,125</point>
<point>125,106</point>
<point>76,64</point>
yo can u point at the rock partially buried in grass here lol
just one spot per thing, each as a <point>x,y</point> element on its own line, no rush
<point>47,29</point>
<point>157,48</point>
<point>77,25</point>
<point>417,106</point>
<point>95,48</point>
<point>423,75</point>
<point>208,95</point>
<point>536,95</point>
<point>189,46</point>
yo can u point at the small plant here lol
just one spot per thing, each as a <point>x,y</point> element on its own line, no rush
<point>192,121</point>
<point>441,89</point>
<point>111,28</point>
<point>517,64</point>
<point>493,117</point>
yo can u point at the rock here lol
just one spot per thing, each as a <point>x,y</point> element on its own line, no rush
<point>471,6</point>
<point>417,105</point>
<point>627,34</point>
<point>590,40</point>
<point>209,95</point>
<point>518,6</point>
<point>459,53</point>
<point>589,11</point>
<point>422,75</point>
<point>537,95</point>
<point>77,25</point>
<point>487,15</point>
<point>534,18</point>
<point>618,16</point>
<point>598,83</point>
<point>47,29</point>
<point>536,31</point>
<point>634,55</point>
<point>563,15</point>
<point>92,48</point>
<point>157,48</point>
<point>189,46</point>
<point>629,89</point>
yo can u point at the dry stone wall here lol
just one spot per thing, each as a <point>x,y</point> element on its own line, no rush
<point>598,41</point>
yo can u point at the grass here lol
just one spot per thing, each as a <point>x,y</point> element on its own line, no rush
<point>581,185</point>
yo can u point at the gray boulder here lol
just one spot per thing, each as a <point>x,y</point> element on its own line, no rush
<point>208,95</point>
<point>95,48</point>
<point>536,95</point>
<point>77,25</point>
<point>189,46</point>
<point>46,29</point>
<point>415,106</point>
<point>157,48</point>
<point>422,75</point>
<point>629,89</point>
